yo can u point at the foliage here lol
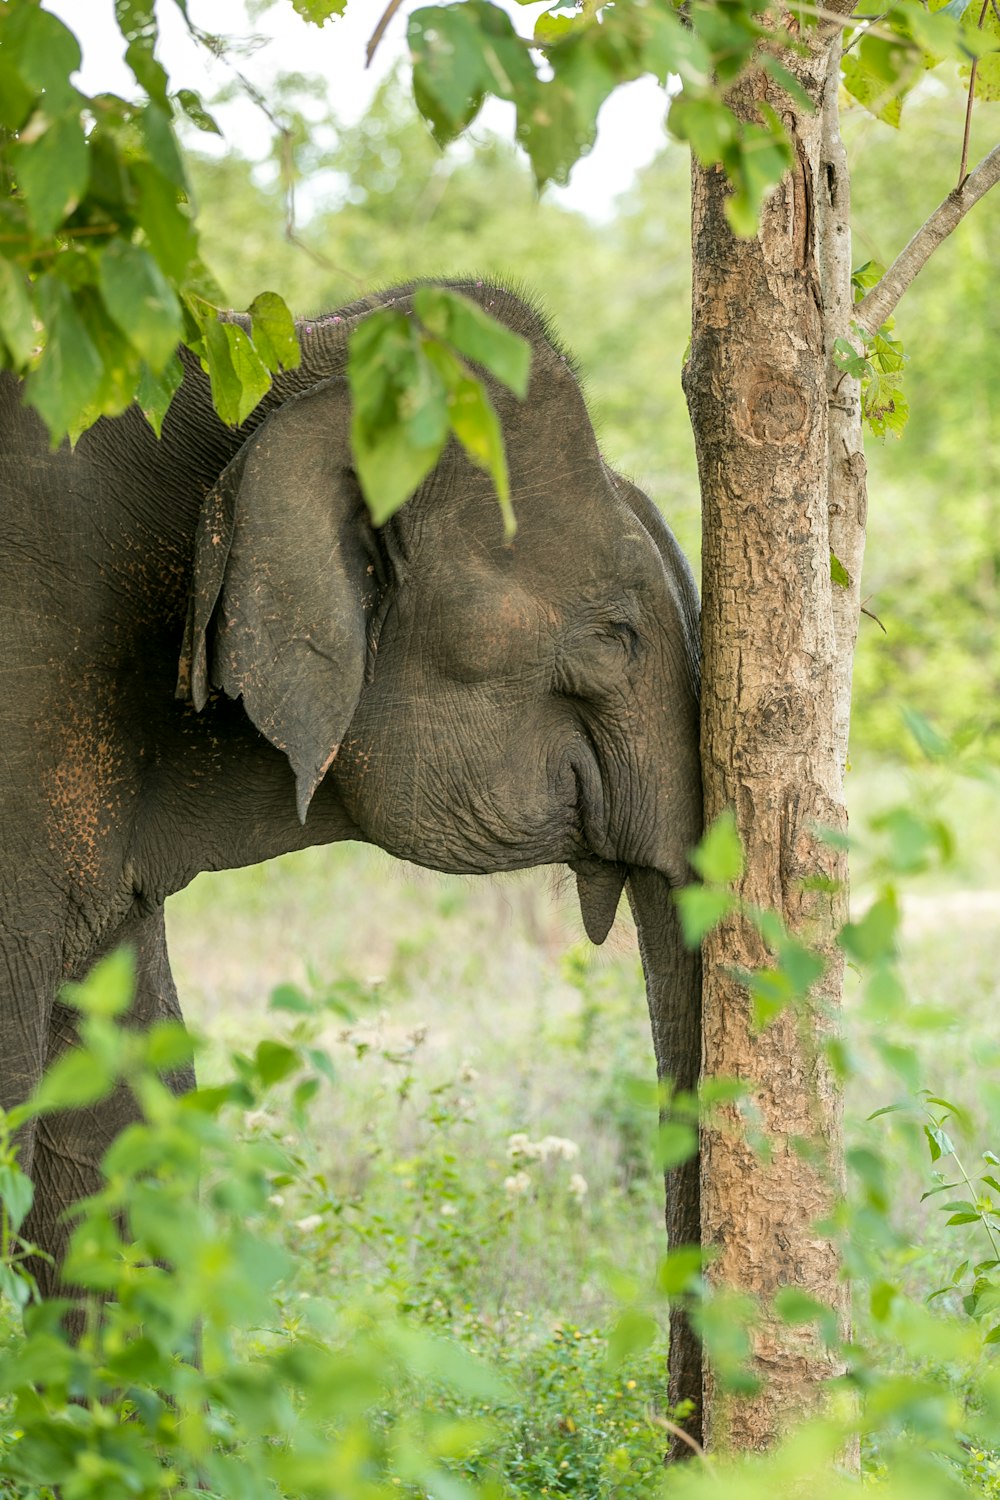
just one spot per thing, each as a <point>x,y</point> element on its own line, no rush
<point>101,272</point>
<point>363,1251</point>
<point>878,366</point>
<point>410,388</point>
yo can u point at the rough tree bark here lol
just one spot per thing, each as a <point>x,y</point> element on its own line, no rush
<point>782,477</point>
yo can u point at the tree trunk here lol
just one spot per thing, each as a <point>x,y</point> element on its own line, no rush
<point>779,476</point>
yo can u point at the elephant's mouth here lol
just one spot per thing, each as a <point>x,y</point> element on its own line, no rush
<point>599,881</point>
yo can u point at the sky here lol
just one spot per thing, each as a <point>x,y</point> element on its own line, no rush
<point>630,129</point>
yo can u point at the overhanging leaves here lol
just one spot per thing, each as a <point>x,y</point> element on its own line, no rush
<point>410,388</point>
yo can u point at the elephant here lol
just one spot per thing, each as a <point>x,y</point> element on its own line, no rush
<point>211,656</point>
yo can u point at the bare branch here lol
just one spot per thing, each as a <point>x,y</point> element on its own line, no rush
<point>873,309</point>
<point>968,104</point>
<point>380,30</point>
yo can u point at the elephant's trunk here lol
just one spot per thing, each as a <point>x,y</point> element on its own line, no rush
<point>673,989</point>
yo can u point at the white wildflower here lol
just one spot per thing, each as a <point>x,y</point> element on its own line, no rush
<point>276,1200</point>
<point>467,1073</point>
<point>519,1145</point>
<point>254,1117</point>
<point>579,1187</point>
<point>447,1210</point>
<point>517,1184</point>
<point>417,1035</point>
<point>557,1148</point>
<point>309,1223</point>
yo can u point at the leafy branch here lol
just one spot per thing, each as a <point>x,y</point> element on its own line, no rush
<point>878,304</point>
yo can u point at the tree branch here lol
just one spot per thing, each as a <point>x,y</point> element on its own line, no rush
<point>873,309</point>
<point>380,30</point>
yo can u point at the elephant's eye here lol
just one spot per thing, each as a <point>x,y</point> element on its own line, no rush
<point>625,634</point>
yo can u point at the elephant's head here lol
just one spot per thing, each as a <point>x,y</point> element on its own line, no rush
<point>477,705</point>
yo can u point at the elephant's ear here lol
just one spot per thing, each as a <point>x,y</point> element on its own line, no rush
<point>282,585</point>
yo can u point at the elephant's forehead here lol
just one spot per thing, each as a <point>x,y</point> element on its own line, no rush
<point>596,558</point>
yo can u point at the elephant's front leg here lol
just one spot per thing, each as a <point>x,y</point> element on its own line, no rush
<point>70,1144</point>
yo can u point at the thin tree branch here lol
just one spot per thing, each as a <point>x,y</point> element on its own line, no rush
<point>380,30</point>
<point>873,309</point>
<point>863,31</point>
<point>968,105</point>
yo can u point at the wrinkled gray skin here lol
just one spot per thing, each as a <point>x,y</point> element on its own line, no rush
<point>205,641</point>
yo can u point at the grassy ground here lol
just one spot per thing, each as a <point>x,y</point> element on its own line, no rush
<point>468,1012</point>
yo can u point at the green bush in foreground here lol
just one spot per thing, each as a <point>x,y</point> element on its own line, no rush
<point>280,1324</point>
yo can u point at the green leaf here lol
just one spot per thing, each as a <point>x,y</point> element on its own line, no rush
<point>633,1332</point>
<point>794,1306</point>
<point>864,277</point>
<point>705,123</point>
<point>755,164</point>
<point>933,744</point>
<point>400,418</point>
<point>290,998</point>
<point>870,1168</point>
<point>719,857</point>
<point>191,104</point>
<point>449,76</point>
<point>16,317</point>
<point>318,11</point>
<point>876,93</point>
<point>872,939</point>
<point>938,1142</point>
<point>140,300</point>
<point>52,165</point>
<point>787,81</point>
<point>168,226</point>
<point>16,97</point>
<point>881,1297</point>
<point>679,1270</point>
<point>17,1193</point>
<point>239,378</point>
<point>155,392</point>
<point>161,143</point>
<point>473,332</point>
<point>676,1142</point>
<point>475,424</point>
<point>274,1061</point>
<point>46,52</point>
<point>107,990</point>
<point>304,1093</point>
<point>272,328</point>
<point>168,1046</point>
<point>137,24</point>
<point>477,427</point>
<point>551,28</point>
<point>701,909</point>
<point>74,1080</point>
<point>847,358</point>
<point>838,572</point>
<point>69,372</point>
<point>548,129</point>
<point>770,993</point>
